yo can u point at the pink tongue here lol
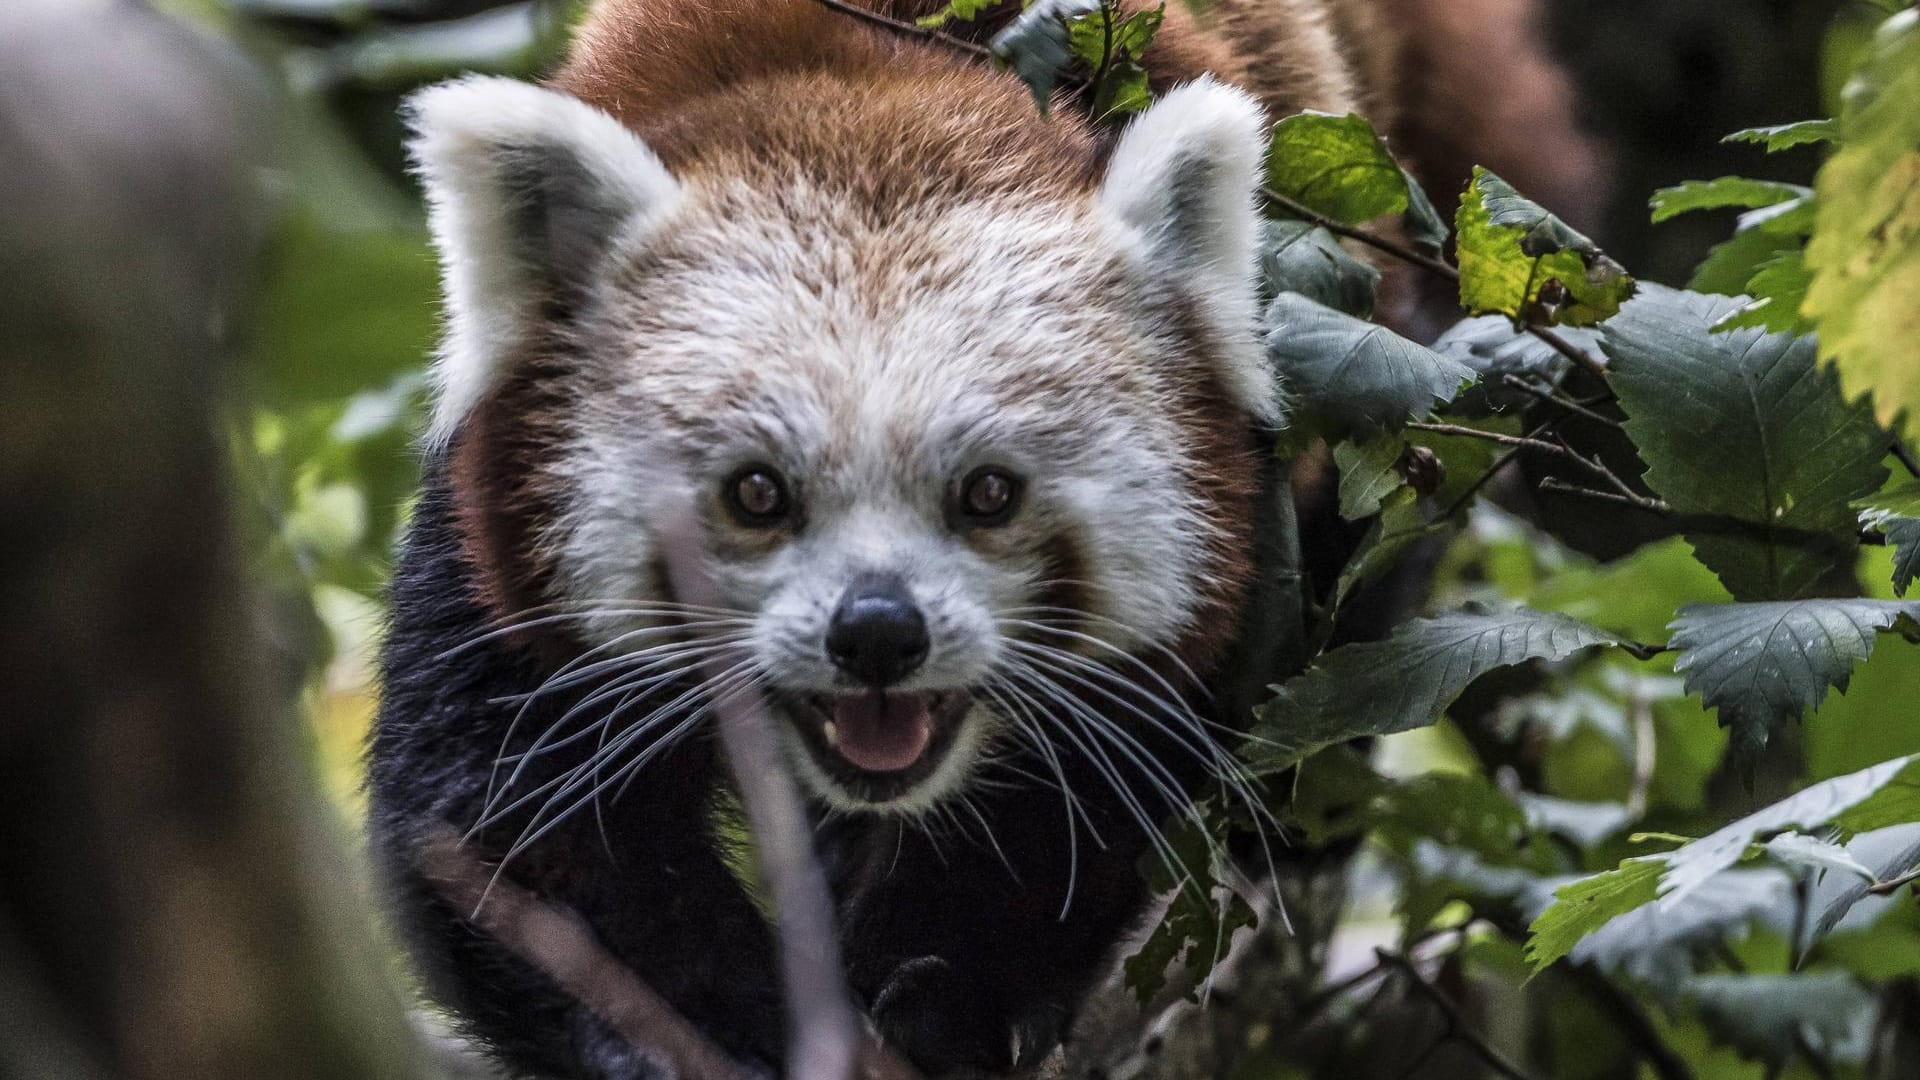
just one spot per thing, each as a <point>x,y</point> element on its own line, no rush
<point>882,732</point>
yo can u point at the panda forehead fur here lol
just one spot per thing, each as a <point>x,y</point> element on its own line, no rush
<point>1090,337</point>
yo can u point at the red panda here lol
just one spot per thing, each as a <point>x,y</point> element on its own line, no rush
<point>966,402</point>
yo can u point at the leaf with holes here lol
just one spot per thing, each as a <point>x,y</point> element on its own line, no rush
<point>1514,256</point>
<point>1896,513</point>
<point>1368,474</point>
<point>1339,167</point>
<point>1404,682</point>
<point>1296,256</point>
<point>1361,378</point>
<point>1201,916</point>
<point>1764,664</point>
<point>1747,431</point>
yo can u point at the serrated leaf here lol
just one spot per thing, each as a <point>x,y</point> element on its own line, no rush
<point>1886,853</point>
<point>1802,852</point>
<point>1201,916</point>
<point>1361,377</point>
<point>1764,664</point>
<point>1816,806</point>
<point>1654,944</point>
<point>1769,1018</point>
<point>1786,136</point>
<point>1701,895</point>
<point>1367,474</point>
<point>1741,191</point>
<point>1582,907</point>
<point>1297,256</point>
<point>1339,167</point>
<point>1779,288</point>
<point>1865,252</point>
<point>1510,249</point>
<point>1404,682</point>
<point>1336,166</point>
<point>1896,513</point>
<point>1111,43</point>
<point>1731,264</point>
<point>1491,346</point>
<point>1744,425</point>
<point>1037,44</point>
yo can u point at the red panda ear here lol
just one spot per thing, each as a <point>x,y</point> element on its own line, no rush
<point>1185,175</point>
<point>528,190</point>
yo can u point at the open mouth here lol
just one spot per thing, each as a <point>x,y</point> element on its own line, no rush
<point>879,744</point>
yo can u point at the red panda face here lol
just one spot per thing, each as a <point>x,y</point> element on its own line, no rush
<point>953,465</point>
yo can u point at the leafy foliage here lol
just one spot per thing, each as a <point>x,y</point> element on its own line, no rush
<point>1896,513</point>
<point>1358,376</point>
<point>1865,254</point>
<point>1763,664</point>
<point>1516,259</point>
<point>1744,426</point>
<point>1339,167</point>
<point>1405,681</point>
<point>1716,194</point>
<point>1300,257</point>
<point>1786,136</point>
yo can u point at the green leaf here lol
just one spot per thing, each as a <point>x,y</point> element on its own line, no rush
<point>1368,474</point>
<point>1584,906</point>
<point>1731,264</point>
<point>1896,513</point>
<point>1747,427</point>
<point>1037,45</point>
<point>1335,165</point>
<point>1111,45</point>
<point>1865,252</point>
<point>1511,249</point>
<point>1201,917</point>
<point>1740,191</point>
<point>1769,1018</point>
<point>1779,288</point>
<point>963,10</point>
<point>1297,256</point>
<point>1404,682</point>
<point>1491,346</point>
<point>1606,919</point>
<point>1764,664</point>
<point>1358,376</point>
<point>1339,167</point>
<point>1786,136</point>
<point>1838,802</point>
<point>1654,943</point>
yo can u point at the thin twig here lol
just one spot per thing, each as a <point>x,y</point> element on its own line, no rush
<point>1631,1021</point>
<point>1724,525</point>
<point>1458,1026</point>
<point>907,29</point>
<point>1568,349</point>
<point>1551,398</point>
<point>559,945</point>
<point>1397,250</point>
<point>1895,884</point>
<point>827,1040</point>
<point>1559,448</point>
<point>1502,462</point>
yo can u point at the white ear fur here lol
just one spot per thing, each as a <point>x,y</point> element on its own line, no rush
<point>525,187</point>
<point>1185,174</point>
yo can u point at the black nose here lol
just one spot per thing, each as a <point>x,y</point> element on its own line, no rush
<point>877,634</point>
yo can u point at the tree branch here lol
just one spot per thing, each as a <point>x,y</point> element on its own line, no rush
<point>556,942</point>
<point>907,29</point>
<point>1457,1025</point>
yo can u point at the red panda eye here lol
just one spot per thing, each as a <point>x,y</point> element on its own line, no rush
<point>757,495</point>
<point>988,496</point>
